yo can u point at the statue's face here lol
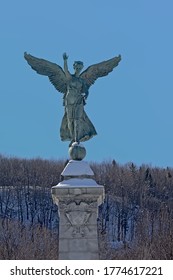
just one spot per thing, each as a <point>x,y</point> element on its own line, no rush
<point>78,66</point>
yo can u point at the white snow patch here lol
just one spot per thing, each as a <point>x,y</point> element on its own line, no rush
<point>77,168</point>
<point>74,182</point>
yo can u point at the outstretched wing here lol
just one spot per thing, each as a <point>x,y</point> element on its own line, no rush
<point>101,69</point>
<point>52,70</point>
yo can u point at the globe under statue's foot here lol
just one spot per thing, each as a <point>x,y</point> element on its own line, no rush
<point>77,151</point>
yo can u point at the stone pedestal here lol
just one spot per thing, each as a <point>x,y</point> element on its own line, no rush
<point>78,197</point>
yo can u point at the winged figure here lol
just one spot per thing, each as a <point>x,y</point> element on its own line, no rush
<point>75,126</point>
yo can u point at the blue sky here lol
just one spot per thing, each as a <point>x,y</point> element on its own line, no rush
<point>131,108</point>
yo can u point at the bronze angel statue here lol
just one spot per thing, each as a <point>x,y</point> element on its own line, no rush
<point>75,126</point>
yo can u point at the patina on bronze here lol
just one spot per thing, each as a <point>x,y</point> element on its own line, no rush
<point>75,126</point>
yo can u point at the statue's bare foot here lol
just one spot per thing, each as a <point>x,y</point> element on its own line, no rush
<point>72,141</point>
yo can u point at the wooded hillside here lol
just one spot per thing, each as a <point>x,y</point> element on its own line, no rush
<point>135,221</point>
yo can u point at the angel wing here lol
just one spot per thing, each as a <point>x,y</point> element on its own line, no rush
<point>101,69</point>
<point>54,72</point>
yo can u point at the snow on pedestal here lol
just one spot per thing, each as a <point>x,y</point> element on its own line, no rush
<point>77,168</point>
<point>78,197</point>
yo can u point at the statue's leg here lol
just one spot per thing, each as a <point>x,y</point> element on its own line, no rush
<point>78,110</point>
<point>70,121</point>
<point>76,131</point>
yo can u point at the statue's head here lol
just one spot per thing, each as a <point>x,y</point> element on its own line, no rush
<point>78,66</point>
